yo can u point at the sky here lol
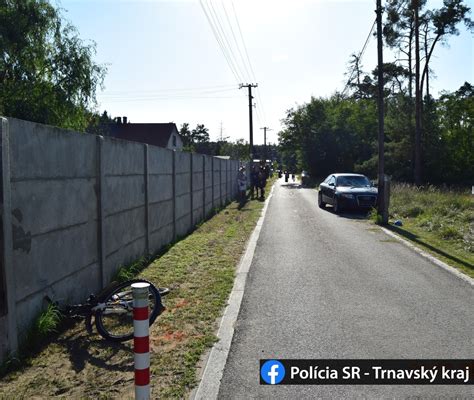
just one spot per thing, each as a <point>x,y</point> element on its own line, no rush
<point>164,63</point>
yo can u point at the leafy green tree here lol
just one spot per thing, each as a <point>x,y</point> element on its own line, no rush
<point>186,137</point>
<point>451,154</point>
<point>406,24</point>
<point>200,134</point>
<point>47,73</point>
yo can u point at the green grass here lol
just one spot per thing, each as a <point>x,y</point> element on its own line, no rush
<point>439,220</point>
<point>200,271</point>
<point>46,323</point>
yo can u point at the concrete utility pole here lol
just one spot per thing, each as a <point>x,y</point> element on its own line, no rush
<point>383,185</point>
<point>250,86</point>
<point>265,129</point>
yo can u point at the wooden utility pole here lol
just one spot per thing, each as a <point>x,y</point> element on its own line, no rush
<point>417,174</point>
<point>382,208</point>
<point>250,86</point>
<point>265,129</point>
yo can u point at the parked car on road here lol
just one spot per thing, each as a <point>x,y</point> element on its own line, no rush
<point>347,191</point>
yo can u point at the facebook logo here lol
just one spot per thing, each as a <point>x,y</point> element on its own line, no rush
<point>272,372</point>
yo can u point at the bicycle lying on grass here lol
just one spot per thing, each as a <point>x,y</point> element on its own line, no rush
<point>112,309</point>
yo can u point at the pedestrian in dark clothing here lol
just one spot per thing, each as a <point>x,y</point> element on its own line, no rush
<point>253,180</point>
<point>262,181</point>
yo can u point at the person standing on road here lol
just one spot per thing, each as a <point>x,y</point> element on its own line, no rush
<point>242,183</point>
<point>262,181</point>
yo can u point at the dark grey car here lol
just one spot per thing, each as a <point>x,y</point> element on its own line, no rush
<point>347,191</point>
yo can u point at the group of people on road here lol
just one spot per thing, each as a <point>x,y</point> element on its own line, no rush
<point>287,175</point>
<point>258,180</point>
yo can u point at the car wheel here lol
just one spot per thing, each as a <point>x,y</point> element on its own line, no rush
<point>337,207</point>
<point>321,203</point>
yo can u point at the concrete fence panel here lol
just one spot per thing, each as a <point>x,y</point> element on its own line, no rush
<point>216,172</point>
<point>124,214</point>
<point>160,197</point>
<point>76,206</point>
<point>183,193</point>
<point>208,184</point>
<point>53,216</point>
<point>197,187</point>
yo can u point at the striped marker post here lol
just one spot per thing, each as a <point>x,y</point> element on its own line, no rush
<point>141,341</point>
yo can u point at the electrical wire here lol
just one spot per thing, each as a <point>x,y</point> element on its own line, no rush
<point>174,90</point>
<point>252,73</point>
<point>223,30</point>
<point>235,39</point>
<point>221,45</point>
<point>165,93</point>
<point>164,98</point>
<point>225,40</point>
<point>359,57</point>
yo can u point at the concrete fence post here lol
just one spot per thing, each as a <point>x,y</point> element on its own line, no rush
<point>203,187</point>
<point>220,183</point>
<point>147,198</point>
<point>174,194</point>
<point>227,181</point>
<point>212,177</point>
<point>101,208</point>
<point>7,236</point>
<point>141,340</point>
<point>191,188</point>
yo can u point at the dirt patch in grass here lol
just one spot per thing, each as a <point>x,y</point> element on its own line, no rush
<point>200,269</point>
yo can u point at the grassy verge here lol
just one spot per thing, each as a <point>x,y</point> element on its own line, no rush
<point>200,271</point>
<point>441,221</point>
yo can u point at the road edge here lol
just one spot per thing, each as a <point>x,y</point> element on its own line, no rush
<point>210,382</point>
<point>430,257</point>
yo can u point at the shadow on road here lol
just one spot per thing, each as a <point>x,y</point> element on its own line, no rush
<point>349,214</point>
<point>292,185</point>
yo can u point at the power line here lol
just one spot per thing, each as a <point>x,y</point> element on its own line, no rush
<point>167,93</point>
<point>228,87</point>
<point>240,66</point>
<point>243,42</point>
<point>248,60</point>
<point>360,55</point>
<point>158,98</point>
<point>236,42</point>
<point>217,37</point>
<point>225,40</point>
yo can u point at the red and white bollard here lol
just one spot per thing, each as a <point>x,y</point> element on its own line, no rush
<point>141,341</point>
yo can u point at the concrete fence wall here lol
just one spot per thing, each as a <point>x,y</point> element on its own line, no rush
<point>76,207</point>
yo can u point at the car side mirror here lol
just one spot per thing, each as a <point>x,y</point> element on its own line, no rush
<point>331,184</point>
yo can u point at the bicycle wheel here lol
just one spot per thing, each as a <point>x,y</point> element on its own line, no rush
<point>114,320</point>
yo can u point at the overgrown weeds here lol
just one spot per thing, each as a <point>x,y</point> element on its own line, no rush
<point>441,217</point>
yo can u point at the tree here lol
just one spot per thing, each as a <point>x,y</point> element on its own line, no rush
<point>186,137</point>
<point>200,134</point>
<point>47,73</point>
<point>402,31</point>
<point>99,124</point>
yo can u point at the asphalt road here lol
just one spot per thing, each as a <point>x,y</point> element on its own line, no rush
<point>328,286</point>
